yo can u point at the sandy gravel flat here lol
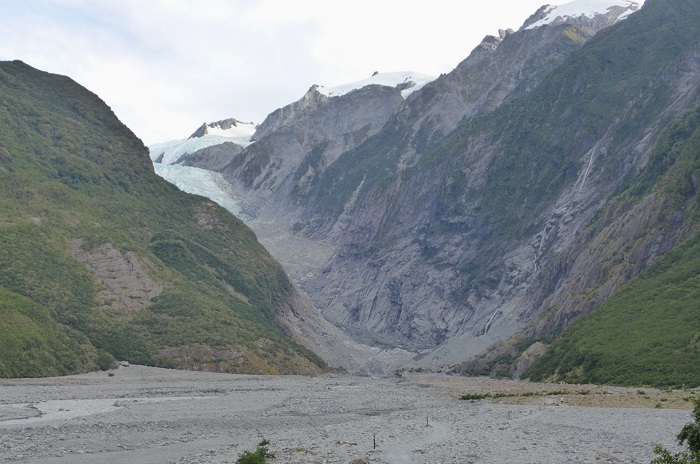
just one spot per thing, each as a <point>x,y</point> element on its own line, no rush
<point>148,415</point>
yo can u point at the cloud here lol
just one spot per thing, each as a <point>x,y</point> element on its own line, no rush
<point>166,66</point>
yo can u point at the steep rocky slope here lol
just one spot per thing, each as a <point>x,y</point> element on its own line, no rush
<point>394,233</point>
<point>646,331</point>
<point>291,149</point>
<point>502,223</point>
<point>295,144</point>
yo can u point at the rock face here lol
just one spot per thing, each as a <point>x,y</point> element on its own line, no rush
<point>127,286</point>
<point>295,144</point>
<point>213,158</point>
<point>310,102</point>
<point>527,358</point>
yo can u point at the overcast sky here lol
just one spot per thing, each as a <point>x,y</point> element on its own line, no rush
<point>167,66</point>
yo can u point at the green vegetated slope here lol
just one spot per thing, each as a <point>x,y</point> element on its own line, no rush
<point>649,332</point>
<point>32,343</point>
<point>102,259</point>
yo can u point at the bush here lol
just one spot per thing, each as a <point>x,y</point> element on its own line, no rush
<point>105,361</point>
<point>691,431</point>
<point>259,456</point>
<point>665,457</point>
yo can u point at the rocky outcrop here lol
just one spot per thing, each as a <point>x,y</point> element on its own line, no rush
<point>310,102</point>
<point>274,173</point>
<point>526,359</point>
<point>213,158</point>
<point>126,285</point>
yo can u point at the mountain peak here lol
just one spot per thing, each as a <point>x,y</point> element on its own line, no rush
<point>231,127</point>
<point>581,9</point>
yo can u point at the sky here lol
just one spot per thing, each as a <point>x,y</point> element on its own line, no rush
<point>167,66</point>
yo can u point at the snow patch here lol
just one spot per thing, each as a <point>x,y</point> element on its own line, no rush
<point>588,8</point>
<point>412,82</point>
<point>239,133</point>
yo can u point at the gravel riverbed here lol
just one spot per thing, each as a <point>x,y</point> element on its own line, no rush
<point>139,414</point>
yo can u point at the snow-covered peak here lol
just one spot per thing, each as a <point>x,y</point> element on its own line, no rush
<point>590,8</point>
<point>229,130</point>
<point>407,82</point>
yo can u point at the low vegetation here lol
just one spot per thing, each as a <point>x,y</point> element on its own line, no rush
<point>530,394</point>
<point>646,335</point>
<point>259,456</point>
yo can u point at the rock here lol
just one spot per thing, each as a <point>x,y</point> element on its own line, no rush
<point>528,357</point>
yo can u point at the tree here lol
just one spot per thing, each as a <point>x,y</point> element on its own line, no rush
<point>691,431</point>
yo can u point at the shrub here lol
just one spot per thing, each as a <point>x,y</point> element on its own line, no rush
<point>105,361</point>
<point>259,456</point>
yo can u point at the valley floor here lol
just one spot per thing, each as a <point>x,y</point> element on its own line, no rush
<point>146,415</point>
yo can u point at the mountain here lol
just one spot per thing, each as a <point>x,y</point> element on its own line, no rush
<point>638,212</point>
<point>550,171</point>
<point>428,255</point>
<point>487,235</point>
<point>102,259</point>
